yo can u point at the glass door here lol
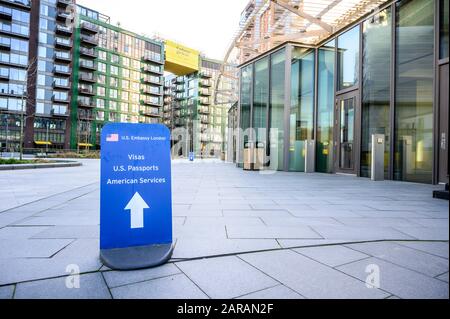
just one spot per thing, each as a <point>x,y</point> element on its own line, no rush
<point>345,142</point>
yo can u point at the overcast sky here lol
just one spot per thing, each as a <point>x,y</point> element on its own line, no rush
<point>205,25</point>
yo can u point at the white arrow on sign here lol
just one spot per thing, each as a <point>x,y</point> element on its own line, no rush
<point>136,207</point>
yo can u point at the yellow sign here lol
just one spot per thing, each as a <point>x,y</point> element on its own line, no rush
<point>181,60</point>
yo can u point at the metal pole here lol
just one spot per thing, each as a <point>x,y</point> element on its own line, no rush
<point>48,141</point>
<point>21,129</point>
<point>7,132</point>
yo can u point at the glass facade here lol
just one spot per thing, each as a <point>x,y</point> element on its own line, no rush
<point>414,91</point>
<point>348,59</point>
<point>443,29</point>
<point>302,106</point>
<point>245,101</point>
<point>260,100</point>
<point>325,107</point>
<point>376,79</point>
<point>277,95</point>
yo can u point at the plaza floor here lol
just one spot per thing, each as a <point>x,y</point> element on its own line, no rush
<point>238,235</point>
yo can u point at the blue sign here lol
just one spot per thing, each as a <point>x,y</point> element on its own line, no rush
<point>135,193</point>
<point>191,156</point>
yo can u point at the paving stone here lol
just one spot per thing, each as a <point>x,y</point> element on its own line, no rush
<point>256,213</point>
<point>377,222</point>
<point>6,292</point>
<point>360,233</point>
<point>91,286</point>
<point>81,249</point>
<point>332,255</point>
<point>399,281</point>
<point>74,232</point>
<point>15,233</point>
<point>424,233</point>
<point>297,243</point>
<point>121,278</point>
<point>61,221</point>
<point>241,232</point>
<point>310,278</point>
<point>273,293</point>
<point>443,277</point>
<point>440,249</point>
<point>222,221</point>
<point>295,221</point>
<point>31,248</point>
<point>225,277</point>
<point>201,247</point>
<point>431,222</point>
<point>427,264</point>
<point>173,287</point>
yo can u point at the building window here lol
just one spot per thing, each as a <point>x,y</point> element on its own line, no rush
<point>376,87</point>
<point>348,58</point>
<point>443,29</point>
<point>325,105</point>
<point>302,106</point>
<point>414,91</point>
<point>260,100</point>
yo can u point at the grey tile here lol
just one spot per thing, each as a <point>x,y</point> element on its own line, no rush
<point>443,277</point>
<point>296,221</point>
<point>6,292</point>
<point>440,249</point>
<point>31,248</point>
<point>360,233</point>
<point>20,232</point>
<point>399,281</point>
<point>299,243</point>
<point>274,293</point>
<point>332,255</point>
<point>91,286</point>
<point>225,277</point>
<point>223,221</point>
<point>424,233</point>
<point>309,278</point>
<point>377,222</point>
<point>277,213</point>
<point>268,232</point>
<point>120,278</point>
<point>173,287</point>
<point>406,257</point>
<point>74,232</point>
<point>200,247</point>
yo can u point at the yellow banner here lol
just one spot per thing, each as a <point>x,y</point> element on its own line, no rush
<point>180,59</point>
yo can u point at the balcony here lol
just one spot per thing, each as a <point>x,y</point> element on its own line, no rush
<point>204,102</point>
<point>89,40</point>
<point>88,78</point>
<point>204,120</point>
<point>147,79</point>
<point>5,46</point>
<point>205,75</point>
<point>179,89</point>
<point>86,103</point>
<point>149,113</point>
<point>204,92</point>
<point>89,27</point>
<point>63,43</point>
<point>88,66</point>
<point>150,92</point>
<point>62,71</point>
<point>88,52</point>
<point>63,3</point>
<point>152,58</point>
<point>65,86</point>
<point>58,99</point>
<point>179,80</point>
<point>86,91</point>
<point>152,102</point>
<point>62,57</point>
<point>64,16</point>
<point>5,16</point>
<point>149,69</point>
<point>63,30</point>
<point>22,4</point>
<point>203,110</point>
<point>205,83</point>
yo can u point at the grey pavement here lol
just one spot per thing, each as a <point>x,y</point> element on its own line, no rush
<point>238,235</point>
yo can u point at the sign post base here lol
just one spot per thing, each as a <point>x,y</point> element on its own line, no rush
<point>138,257</point>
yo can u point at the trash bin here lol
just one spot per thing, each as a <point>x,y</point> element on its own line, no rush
<point>259,156</point>
<point>249,156</point>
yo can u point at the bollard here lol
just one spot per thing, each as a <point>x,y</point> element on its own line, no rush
<point>378,149</point>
